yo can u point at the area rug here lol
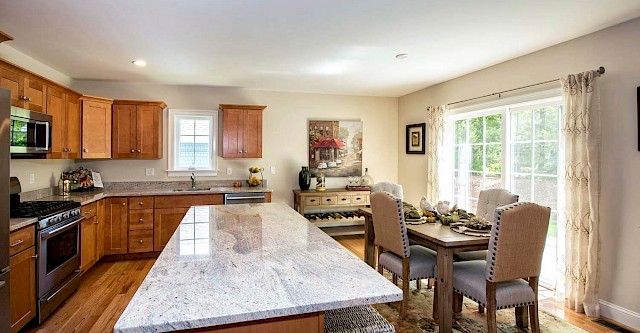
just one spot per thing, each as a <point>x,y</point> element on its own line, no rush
<point>419,317</point>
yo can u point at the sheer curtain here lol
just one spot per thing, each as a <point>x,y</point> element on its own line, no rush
<point>435,150</point>
<point>581,130</point>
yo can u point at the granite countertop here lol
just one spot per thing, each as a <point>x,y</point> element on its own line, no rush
<point>232,264</point>
<point>86,198</point>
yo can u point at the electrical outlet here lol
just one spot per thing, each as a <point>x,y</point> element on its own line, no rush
<point>273,170</point>
<point>229,171</point>
<point>149,171</point>
<point>32,178</point>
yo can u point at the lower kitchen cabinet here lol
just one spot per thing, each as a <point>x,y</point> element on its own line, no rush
<point>166,222</point>
<point>23,288</point>
<point>140,241</point>
<point>116,226</point>
<point>88,243</point>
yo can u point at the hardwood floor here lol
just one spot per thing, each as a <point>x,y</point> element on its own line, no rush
<point>108,287</point>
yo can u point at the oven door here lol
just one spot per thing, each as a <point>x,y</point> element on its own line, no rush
<point>59,254</point>
<point>30,132</point>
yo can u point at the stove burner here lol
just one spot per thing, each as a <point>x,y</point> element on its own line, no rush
<point>41,209</point>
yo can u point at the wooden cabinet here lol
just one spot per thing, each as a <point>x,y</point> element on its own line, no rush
<point>166,221</point>
<point>100,231</point>
<point>241,131</point>
<point>22,284</point>
<point>332,210</point>
<point>91,235</point>
<point>35,92</point>
<point>115,226</point>
<point>96,127</point>
<point>13,81</point>
<point>64,108</point>
<point>27,90</point>
<point>137,129</point>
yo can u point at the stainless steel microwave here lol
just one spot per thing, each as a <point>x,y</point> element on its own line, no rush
<point>30,133</point>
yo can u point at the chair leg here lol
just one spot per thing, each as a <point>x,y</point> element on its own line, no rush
<point>491,308</point>
<point>430,283</point>
<point>457,302</point>
<point>435,301</point>
<point>522,319</point>
<point>405,287</point>
<point>480,308</point>
<point>418,284</point>
<point>394,278</point>
<point>380,269</point>
<point>533,309</point>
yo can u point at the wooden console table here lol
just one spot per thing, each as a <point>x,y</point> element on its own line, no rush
<point>312,203</point>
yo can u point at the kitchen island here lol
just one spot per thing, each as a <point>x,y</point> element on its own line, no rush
<point>253,266</point>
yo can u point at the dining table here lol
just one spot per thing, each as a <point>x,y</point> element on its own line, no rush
<point>439,238</point>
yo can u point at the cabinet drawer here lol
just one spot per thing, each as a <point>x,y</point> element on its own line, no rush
<point>329,200</point>
<point>344,199</point>
<point>311,201</point>
<point>141,219</point>
<point>141,202</point>
<point>21,239</point>
<point>140,241</point>
<point>89,210</point>
<point>359,199</point>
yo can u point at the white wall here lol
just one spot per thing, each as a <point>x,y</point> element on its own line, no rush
<point>284,130</point>
<point>618,50</point>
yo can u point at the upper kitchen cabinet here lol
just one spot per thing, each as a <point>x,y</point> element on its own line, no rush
<point>241,130</point>
<point>96,127</point>
<point>27,90</point>
<point>64,106</point>
<point>137,129</point>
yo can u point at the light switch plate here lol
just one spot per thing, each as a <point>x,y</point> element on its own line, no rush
<point>229,171</point>
<point>32,178</point>
<point>273,170</point>
<point>149,171</point>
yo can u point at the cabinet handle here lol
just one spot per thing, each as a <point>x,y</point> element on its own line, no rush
<point>343,199</point>
<point>139,220</point>
<point>20,241</point>
<point>139,151</point>
<point>95,221</point>
<point>328,200</point>
<point>35,256</point>
<point>133,151</point>
<point>124,203</point>
<point>28,99</point>
<point>85,150</point>
<point>239,151</point>
<point>313,200</point>
<point>141,241</point>
<point>141,203</point>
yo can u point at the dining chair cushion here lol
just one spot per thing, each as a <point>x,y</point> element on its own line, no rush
<point>470,255</point>
<point>422,262</point>
<point>469,280</point>
<point>393,188</point>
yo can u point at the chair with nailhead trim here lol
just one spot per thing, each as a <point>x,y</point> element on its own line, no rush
<point>509,276</point>
<point>393,188</point>
<point>394,253</point>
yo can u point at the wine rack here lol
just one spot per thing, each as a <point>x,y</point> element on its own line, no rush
<point>333,210</point>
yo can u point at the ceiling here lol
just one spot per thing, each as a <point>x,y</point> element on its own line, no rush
<point>328,46</point>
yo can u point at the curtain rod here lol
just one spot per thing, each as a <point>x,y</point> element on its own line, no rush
<point>599,70</point>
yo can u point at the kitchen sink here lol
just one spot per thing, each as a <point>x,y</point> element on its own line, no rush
<point>192,189</point>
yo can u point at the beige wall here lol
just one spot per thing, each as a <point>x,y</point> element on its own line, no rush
<point>284,130</point>
<point>618,50</point>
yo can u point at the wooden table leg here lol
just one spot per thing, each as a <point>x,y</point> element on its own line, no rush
<point>445,289</point>
<point>369,242</point>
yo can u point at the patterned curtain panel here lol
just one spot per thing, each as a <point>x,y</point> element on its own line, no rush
<point>581,129</point>
<point>435,148</point>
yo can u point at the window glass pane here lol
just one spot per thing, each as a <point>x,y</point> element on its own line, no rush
<point>202,127</point>
<point>546,191</point>
<point>521,157</point>
<point>458,186</point>
<point>186,126</point>
<point>457,157</point>
<point>546,120</point>
<point>521,185</point>
<point>553,225</point>
<point>461,131</point>
<point>521,129</point>
<point>476,129</point>
<point>475,182</point>
<point>494,158</point>
<point>458,200</point>
<point>546,158</point>
<point>493,181</point>
<point>494,128</point>
<point>476,158</point>
<point>472,206</point>
<point>186,139</point>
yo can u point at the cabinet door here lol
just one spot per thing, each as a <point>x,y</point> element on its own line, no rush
<point>88,237</point>
<point>149,131</point>
<point>115,226</point>
<point>96,129</point>
<point>124,131</point>
<point>74,122</point>
<point>56,109</point>
<point>232,133</point>
<point>13,81</point>
<point>166,221</point>
<point>252,135</point>
<point>100,230</point>
<point>35,94</point>
<point>23,288</point>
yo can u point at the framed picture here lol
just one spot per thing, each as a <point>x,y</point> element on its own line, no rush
<point>415,138</point>
<point>335,148</point>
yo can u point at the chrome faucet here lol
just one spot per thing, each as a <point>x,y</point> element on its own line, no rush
<point>193,180</point>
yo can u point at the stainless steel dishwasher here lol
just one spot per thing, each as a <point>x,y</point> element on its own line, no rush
<point>245,197</point>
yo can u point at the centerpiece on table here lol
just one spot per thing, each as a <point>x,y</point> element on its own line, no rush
<point>253,176</point>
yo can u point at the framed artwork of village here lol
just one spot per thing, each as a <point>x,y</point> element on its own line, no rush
<point>335,148</point>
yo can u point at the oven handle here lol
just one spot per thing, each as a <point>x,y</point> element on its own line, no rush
<point>69,225</point>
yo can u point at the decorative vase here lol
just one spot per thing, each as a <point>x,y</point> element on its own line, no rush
<point>304,178</point>
<point>366,180</point>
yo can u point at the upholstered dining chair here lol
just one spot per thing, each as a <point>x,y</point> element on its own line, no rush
<point>393,188</point>
<point>488,201</point>
<point>509,276</point>
<point>394,252</point>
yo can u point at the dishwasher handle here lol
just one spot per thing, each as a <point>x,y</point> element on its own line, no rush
<point>246,198</point>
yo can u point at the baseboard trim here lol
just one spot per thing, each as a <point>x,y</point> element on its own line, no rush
<point>620,315</point>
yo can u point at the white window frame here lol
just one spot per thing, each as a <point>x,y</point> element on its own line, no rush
<point>172,171</point>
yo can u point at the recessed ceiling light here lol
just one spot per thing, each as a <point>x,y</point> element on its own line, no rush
<point>140,63</point>
<point>402,56</point>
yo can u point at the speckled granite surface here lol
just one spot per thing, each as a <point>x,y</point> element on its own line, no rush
<point>19,223</point>
<point>230,264</point>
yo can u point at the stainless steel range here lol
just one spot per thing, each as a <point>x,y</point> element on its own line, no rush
<point>57,246</point>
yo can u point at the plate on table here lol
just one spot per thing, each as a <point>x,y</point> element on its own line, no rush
<point>416,221</point>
